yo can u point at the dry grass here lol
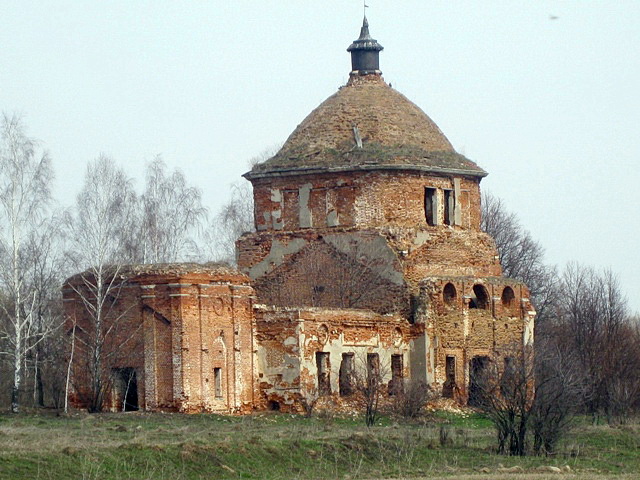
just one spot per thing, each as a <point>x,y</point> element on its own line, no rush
<point>281,446</point>
<point>534,476</point>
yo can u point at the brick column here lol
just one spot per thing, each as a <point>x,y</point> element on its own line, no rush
<point>147,297</point>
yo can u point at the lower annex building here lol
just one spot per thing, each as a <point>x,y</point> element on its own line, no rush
<point>367,254</point>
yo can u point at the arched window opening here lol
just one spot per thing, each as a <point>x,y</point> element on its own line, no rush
<point>449,294</point>
<point>508,297</point>
<point>480,298</point>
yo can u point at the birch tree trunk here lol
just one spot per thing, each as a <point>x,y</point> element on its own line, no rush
<point>102,226</point>
<point>24,196</point>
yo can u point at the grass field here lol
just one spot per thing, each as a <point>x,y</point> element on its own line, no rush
<point>281,446</point>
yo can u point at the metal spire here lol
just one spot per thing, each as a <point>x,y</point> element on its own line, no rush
<point>365,51</point>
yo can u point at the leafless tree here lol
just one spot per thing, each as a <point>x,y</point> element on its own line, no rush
<point>521,257</point>
<point>45,269</point>
<point>559,393</point>
<point>504,392</point>
<point>412,398</point>
<point>582,306</point>
<point>344,271</point>
<point>523,397</point>
<point>171,213</point>
<point>593,316</point>
<point>309,401</point>
<point>25,176</point>
<point>624,387</point>
<point>99,228</point>
<point>366,383</point>
<point>234,218</point>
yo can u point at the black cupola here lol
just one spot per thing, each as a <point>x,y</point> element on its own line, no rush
<point>365,52</point>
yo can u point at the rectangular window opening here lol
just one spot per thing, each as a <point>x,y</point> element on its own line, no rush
<point>324,371</point>
<point>346,374</point>
<point>396,385</point>
<point>217,381</point>
<point>373,366</point>
<point>449,386</point>
<point>430,206</point>
<point>449,207</point>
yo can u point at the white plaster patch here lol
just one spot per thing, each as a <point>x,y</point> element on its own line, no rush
<point>421,238</point>
<point>276,256</point>
<point>375,251</point>
<point>276,195</point>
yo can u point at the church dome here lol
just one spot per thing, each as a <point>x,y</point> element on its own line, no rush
<point>366,125</point>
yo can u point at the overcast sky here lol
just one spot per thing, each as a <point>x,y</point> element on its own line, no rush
<point>544,95</point>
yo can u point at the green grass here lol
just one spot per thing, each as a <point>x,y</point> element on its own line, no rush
<point>282,446</point>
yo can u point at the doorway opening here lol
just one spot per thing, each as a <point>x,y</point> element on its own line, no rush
<point>449,385</point>
<point>126,387</point>
<point>477,379</point>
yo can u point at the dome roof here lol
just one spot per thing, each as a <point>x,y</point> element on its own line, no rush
<point>366,125</point>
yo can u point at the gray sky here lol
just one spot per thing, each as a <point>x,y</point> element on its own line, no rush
<point>550,107</point>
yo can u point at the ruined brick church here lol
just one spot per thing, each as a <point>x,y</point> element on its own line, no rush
<point>367,250</point>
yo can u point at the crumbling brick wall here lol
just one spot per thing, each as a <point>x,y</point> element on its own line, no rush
<point>463,327</point>
<point>120,338</point>
<point>340,269</point>
<point>361,199</point>
<point>290,340</point>
<point>186,331</point>
<point>369,225</point>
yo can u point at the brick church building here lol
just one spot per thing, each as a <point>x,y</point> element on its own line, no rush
<point>367,253</point>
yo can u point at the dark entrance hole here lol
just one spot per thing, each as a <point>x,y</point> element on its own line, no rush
<point>127,388</point>
<point>373,367</point>
<point>477,380</point>
<point>449,206</point>
<point>450,372</point>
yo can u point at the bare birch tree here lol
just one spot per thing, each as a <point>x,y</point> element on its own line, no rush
<point>25,176</point>
<point>45,269</point>
<point>172,213</point>
<point>100,229</point>
<point>234,218</point>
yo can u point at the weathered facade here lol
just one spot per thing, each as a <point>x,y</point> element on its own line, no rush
<point>175,337</point>
<point>367,250</point>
